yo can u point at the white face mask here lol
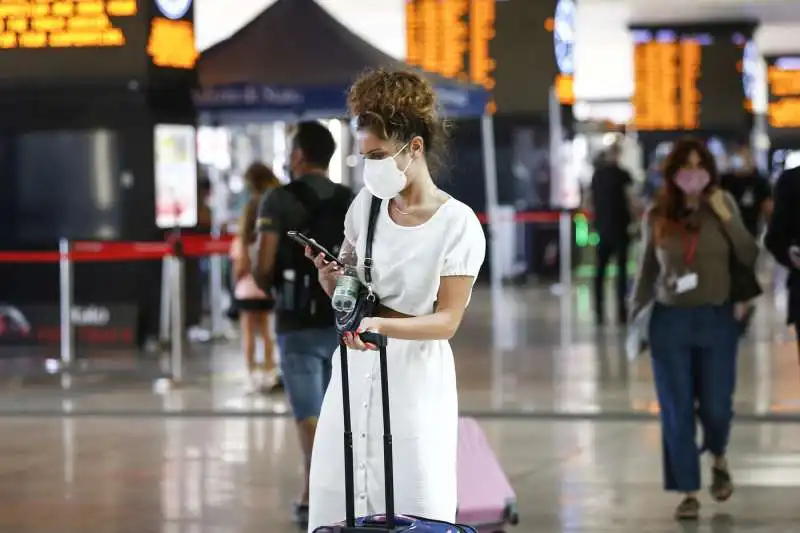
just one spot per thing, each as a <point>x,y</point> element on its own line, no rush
<point>382,177</point>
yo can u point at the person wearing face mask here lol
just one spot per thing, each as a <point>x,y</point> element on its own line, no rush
<point>691,235</point>
<point>426,253</point>
<point>315,206</point>
<point>751,191</point>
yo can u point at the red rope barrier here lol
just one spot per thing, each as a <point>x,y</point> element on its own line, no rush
<point>29,257</point>
<point>110,251</point>
<point>534,217</point>
<point>193,245</point>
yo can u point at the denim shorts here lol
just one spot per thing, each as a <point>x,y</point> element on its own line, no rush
<point>306,368</point>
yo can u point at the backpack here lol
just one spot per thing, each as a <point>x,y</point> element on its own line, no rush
<point>301,299</point>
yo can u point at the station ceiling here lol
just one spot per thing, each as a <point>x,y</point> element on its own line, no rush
<point>766,11</point>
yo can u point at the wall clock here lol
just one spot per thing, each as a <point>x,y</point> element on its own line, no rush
<point>174,9</point>
<point>564,35</point>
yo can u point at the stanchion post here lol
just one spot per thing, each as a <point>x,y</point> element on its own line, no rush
<point>492,201</point>
<point>565,252</point>
<point>165,308</point>
<point>215,292</point>
<point>177,318</point>
<point>65,303</point>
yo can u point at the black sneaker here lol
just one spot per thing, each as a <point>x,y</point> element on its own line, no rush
<point>300,514</point>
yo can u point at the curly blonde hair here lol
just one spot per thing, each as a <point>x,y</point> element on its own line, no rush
<point>399,105</point>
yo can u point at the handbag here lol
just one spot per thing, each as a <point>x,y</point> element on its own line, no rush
<point>367,303</point>
<point>744,283</point>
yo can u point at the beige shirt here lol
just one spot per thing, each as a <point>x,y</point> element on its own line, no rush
<point>662,264</point>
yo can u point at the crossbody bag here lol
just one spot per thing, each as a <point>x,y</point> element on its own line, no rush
<point>368,301</point>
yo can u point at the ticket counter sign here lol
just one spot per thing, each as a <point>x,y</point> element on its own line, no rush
<point>77,41</point>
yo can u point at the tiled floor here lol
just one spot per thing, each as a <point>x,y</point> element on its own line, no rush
<point>78,475</point>
<point>520,352</point>
<point>571,420</point>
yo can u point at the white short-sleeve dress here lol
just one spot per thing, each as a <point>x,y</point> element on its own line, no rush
<point>408,263</point>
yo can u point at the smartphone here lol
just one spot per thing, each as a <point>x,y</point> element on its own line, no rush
<point>301,239</point>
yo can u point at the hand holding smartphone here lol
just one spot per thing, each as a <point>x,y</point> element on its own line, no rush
<point>302,240</point>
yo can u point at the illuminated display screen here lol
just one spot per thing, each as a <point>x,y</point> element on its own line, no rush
<point>60,24</point>
<point>507,47</point>
<point>690,78</point>
<point>452,37</point>
<point>783,81</point>
<point>69,40</point>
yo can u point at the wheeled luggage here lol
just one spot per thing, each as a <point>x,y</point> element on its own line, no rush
<point>486,500</point>
<point>390,521</point>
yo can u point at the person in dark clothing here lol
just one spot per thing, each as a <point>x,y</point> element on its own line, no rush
<point>783,238</point>
<point>305,325</point>
<point>751,190</point>
<point>753,195</point>
<point>612,194</point>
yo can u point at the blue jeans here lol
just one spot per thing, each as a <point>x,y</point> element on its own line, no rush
<point>306,368</point>
<point>694,365</point>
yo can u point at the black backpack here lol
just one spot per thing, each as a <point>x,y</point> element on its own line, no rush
<point>301,299</point>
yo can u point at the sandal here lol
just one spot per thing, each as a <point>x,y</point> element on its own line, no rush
<point>721,485</point>
<point>688,509</point>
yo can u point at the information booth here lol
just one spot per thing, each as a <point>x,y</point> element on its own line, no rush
<point>244,81</point>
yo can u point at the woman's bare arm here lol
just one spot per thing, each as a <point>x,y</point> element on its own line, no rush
<point>443,323</point>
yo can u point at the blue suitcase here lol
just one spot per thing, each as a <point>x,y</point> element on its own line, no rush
<point>390,521</point>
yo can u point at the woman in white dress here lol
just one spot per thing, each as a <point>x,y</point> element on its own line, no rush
<point>427,251</point>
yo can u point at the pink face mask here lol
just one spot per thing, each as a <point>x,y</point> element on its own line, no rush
<point>692,181</point>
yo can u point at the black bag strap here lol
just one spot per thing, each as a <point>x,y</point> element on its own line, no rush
<point>305,194</point>
<point>388,462</point>
<point>374,210</point>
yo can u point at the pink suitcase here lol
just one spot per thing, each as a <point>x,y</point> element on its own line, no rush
<point>486,500</point>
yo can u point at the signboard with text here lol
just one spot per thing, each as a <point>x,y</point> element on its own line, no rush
<point>106,326</point>
<point>692,77</point>
<point>783,84</point>
<point>516,50</point>
<point>69,42</point>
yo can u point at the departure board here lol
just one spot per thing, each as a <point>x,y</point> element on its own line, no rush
<point>513,49</point>
<point>64,41</point>
<point>690,77</point>
<point>783,82</point>
<point>451,37</point>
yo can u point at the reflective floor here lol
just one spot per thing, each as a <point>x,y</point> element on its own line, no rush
<point>520,352</point>
<point>78,475</point>
<point>571,419</point>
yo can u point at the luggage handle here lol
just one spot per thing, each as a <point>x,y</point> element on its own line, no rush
<point>368,337</point>
<point>380,341</point>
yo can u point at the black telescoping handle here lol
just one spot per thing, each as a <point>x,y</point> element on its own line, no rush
<point>368,337</point>
<point>349,483</point>
<point>388,459</point>
<point>388,463</point>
